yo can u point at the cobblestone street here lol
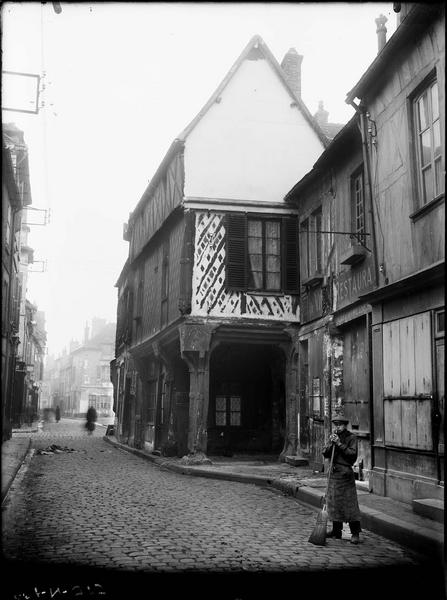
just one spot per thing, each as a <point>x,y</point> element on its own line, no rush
<point>102,507</point>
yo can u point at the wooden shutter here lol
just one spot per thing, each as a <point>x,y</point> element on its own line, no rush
<point>291,280</point>
<point>236,252</point>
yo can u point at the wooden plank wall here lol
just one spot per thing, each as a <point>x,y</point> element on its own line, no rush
<point>153,266</point>
<point>405,245</point>
<point>165,198</point>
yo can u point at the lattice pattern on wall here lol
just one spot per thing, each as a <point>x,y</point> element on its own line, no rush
<point>209,294</point>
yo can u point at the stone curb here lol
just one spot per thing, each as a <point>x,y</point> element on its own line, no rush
<point>194,471</point>
<point>417,538</point>
<point>10,478</point>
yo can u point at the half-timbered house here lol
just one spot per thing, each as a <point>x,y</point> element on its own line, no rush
<point>211,283</point>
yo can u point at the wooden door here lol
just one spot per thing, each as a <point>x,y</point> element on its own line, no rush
<point>440,372</point>
<point>357,386</point>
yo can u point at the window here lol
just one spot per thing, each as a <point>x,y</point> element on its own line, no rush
<point>262,254</point>
<point>358,204</point>
<point>8,227</point>
<point>311,246</point>
<point>440,323</point>
<point>93,400</point>
<point>228,411</point>
<point>428,143</point>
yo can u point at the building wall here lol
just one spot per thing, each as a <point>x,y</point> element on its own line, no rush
<point>261,143</point>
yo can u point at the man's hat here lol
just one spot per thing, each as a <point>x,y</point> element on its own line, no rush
<point>340,419</point>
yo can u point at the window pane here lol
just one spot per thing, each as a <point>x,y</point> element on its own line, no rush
<point>273,281</point>
<point>255,280</point>
<point>439,177</point>
<point>427,184</point>
<point>434,101</point>
<point>272,229</point>
<point>272,246</point>
<point>422,112</point>
<point>255,228</point>
<point>273,264</point>
<point>221,420</point>
<point>235,403</point>
<point>235,418</point>
<point>437,138</point>
<point>426,147</point>
<point>221,403</point>
<point>254,245</point>
<point>440,322</point>
<point>256,262</point>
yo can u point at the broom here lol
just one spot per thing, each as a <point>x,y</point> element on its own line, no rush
<point>318,535</point>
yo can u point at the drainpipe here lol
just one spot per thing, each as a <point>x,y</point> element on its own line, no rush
<point>367,169</point>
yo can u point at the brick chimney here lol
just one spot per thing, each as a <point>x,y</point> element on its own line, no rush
<point>381,32</point>
<point>291,65</point>
<point>321,116</point>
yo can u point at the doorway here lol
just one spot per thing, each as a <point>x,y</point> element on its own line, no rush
<point>247,400</point>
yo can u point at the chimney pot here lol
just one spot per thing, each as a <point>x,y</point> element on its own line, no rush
<point>291,65</point>
<point>322,115</point>
<point>381,31</point>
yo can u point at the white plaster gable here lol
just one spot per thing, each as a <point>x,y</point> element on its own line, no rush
<point>253,144</point>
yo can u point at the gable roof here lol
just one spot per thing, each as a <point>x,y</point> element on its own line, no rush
<point>256,43</point>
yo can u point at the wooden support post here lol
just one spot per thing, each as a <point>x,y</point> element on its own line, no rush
<point>195,342</point>
<point>291,441</point>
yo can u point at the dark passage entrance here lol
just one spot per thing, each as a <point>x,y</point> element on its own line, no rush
<point>247,405</point>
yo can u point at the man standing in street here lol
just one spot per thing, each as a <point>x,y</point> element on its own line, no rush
<point>342,503</point>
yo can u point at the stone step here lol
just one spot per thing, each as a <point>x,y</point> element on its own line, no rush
<point>297,461</point>
<point>430,508</point>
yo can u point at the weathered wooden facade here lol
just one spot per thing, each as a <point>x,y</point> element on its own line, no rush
<point>16,196</point>
<point>403,98</point>
<point>206,357</point>
<point>337,265</point>
<point>372,332</point>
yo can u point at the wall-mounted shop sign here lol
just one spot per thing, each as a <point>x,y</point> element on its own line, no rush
<point>353,282</point>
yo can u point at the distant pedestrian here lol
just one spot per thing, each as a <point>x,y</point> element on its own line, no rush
<point>91,420</point>
<point>342,503</point>
<point>58,414</point>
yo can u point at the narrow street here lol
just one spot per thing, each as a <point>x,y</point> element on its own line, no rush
<point>105,508</point>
